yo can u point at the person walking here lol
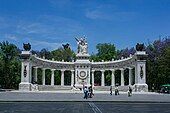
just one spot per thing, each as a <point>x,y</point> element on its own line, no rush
<point>130,92</point>
<point>90,92</point>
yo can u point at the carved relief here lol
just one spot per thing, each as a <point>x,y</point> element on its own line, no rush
<point>141,72</point>
<point>25,70</point>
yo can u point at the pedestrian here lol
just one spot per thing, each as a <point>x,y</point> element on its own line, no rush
<point>85,92</point>
<point>130,92</point>
<point>90,92</point>
<point>110,90</point>
<point>116,90</point>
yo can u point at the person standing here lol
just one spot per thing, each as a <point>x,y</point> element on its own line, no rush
<point>116,90</point>
<point>85,92</point>
<point>110,90</point>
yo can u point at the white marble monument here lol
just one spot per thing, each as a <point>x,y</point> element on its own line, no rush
<point>83,70</point>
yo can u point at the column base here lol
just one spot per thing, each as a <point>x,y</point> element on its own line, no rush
<point>141,87</point>
<point>25,86</point>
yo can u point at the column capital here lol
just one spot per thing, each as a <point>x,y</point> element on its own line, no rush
<point>62,70</point>
<point>44,69</point>
<point>113,70</point>
<point>93,71</point>
<point>53,69</point>
<point>122,69</point>
<point>130,68</point>
<point>102,71</point>
<point>72,70</point>
<point>35,67</point>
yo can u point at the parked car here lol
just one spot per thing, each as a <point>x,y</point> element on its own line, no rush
<point>165,89</point>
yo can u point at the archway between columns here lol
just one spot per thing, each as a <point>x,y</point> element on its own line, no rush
<point>117,77</point>
<point>126,76</point>
<point>47,77</point>
<point>57,77</point>
<point>67,77</point>
<point>107,75</point>
<point>39,76</point>
<point>97,78</point>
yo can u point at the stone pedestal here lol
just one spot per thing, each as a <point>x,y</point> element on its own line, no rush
<point>140,87</point>
<point>25,86</point>
<point>140,72</point>
<point>26,72</point>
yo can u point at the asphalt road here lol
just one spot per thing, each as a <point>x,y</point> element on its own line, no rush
<point>83,107</point>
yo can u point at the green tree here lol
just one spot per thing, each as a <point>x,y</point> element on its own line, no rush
<point>106,52</point>
<point>164,68</point>
<point>10,65</point>
<point>157,66</point>
<point>63,54</point>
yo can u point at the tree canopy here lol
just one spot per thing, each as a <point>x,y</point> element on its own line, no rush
<point>105,51</point>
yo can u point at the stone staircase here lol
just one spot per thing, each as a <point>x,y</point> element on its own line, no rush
<point>67,88</point>
<point>107,88</point>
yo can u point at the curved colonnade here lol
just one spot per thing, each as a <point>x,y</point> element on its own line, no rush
<point>83,71</point>
<point>122,64</point>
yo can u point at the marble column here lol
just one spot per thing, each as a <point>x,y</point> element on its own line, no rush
<point>35,74</point>
<point>52,76</point>
<point>72,77</point>
<point>62,77</point>
<point>75,78</point>
<point>113,78</point>
<point>102,81</point>
<point>43,76</point>
<point>130,76</point>
<point>93,77</point>
<point>122,77</point>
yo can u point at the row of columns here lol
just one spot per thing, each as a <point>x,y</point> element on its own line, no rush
<point>113,77</point>
<point>72,77</point>
<point>52,76</point>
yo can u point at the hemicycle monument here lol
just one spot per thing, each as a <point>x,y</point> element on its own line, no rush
<point>82,70</point>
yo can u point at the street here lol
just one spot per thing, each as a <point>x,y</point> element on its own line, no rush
<point>83,107</point>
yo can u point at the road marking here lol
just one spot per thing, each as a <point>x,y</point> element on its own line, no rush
<point>94,107</point>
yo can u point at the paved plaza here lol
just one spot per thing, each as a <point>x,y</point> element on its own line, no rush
<point>78,96</point>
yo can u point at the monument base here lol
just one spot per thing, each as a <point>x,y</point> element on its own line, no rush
<point>24,86</point>
<point>81,85</point>
<point>141,87</point>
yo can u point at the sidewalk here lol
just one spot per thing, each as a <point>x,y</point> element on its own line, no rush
<point>71,91</point>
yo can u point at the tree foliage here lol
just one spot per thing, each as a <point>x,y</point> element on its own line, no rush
<point>63,54</point>
<point>158,66</point>
<point>105,51</point>
<point>10,65</point>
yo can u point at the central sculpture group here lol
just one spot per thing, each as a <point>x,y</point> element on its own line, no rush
<point>82,46</point>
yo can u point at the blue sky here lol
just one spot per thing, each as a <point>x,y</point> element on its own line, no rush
<point>50,23</point>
